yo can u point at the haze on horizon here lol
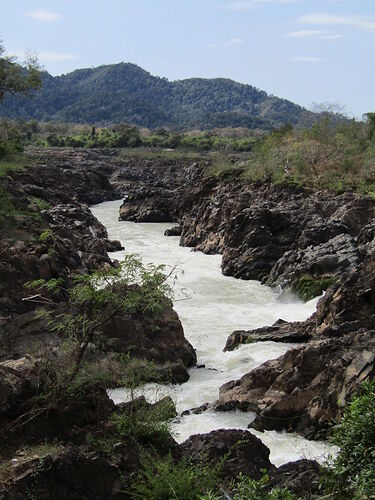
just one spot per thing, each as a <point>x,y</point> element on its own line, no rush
<point>303,50</point>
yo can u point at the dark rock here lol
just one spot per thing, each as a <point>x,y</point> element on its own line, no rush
<point>281,331</point>
<point>160,340</point>
<point>196,411</point>
<point>321,261</point>
<point>173,231</point>
<point>305,389</point>
<point>67,474</point>
<point>113,245</point>
<point>271,233</point>
<point>302,478</point>
<point>19,381</point>
<point>239,450</point>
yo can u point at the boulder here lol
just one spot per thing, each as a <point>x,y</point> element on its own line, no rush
<point>160,340</point>
<point>238,451</point>
<point>302,478</point>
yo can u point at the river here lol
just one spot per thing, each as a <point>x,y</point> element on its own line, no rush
<point>210,307</point>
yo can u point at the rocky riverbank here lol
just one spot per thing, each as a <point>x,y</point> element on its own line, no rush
<point>285,236</point>
<point>282,235</point>
<point>52,234</point>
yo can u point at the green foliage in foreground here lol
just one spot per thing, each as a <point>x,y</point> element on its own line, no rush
<point>353,474</point>
<point>94,299</point>
<point>146,424</point>
<point>162,479</point>
<point>245,488</point>
<point>307,287</point>
<point>166,479</point>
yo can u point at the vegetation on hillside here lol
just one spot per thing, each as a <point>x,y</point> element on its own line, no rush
<point>340,156</point>
<point>126,93</point>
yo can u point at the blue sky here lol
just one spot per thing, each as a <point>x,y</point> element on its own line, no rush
<point>304,50</point>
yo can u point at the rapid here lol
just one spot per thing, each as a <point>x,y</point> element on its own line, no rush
<point>210,307</point>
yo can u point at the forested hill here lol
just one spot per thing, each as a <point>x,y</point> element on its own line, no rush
<point>126,93</point>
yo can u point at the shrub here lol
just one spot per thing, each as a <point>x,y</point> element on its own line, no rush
<point>164,479</point>
<point>308,287</point>
<point>246,488</point>
<point>355,435</point>
<point>96,298</point>
<point>145,423</point>
<point>39,203</point>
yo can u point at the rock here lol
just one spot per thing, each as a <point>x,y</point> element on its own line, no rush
<point>321,261</point>
<point>302,478</point>
<point>305,389</point>
<point>173,231</point>
<point>19,381</point>
<point>281,331</point>
<point>66,474</point>
<point>160,340</point>
<point>113,245</point>
<point>242,452</point>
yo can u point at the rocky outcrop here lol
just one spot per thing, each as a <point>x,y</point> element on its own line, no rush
<point>62,474</point>
<point>148,206</point>
<point>240,452</point>
<point>160,340</point>
<point>306,389</point>
<point>149,188</point>
<point>276,234</point>
<point>54,235</point>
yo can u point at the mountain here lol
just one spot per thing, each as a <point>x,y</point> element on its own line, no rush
<point>127,93</point>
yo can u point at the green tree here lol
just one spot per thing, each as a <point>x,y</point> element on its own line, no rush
<point>15,78</point>
<point>94,299</point>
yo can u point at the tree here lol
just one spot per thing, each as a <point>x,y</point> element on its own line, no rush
<point>15,78</point>
<point>370,118</point>
<point>94,299</point>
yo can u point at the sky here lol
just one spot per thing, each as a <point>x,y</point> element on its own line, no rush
<point>303,50</point>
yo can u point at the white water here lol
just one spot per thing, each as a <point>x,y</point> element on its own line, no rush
<point>216,306</point>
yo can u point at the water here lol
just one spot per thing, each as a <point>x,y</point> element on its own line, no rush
<point>210,307</point>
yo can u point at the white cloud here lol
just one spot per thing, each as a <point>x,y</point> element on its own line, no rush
<point>307,59</point>
<point>305,33</point>
<point>249,4</point>
<point>317,34</point>
<point>228,43</point>
<point>331,37</point>
<point>234,41</point>
<point>360,22</point>
<point>43,15</point>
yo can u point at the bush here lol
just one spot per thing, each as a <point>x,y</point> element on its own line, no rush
<point>145,423</point>
<point>355,435</point>
<point>164,479</point>
<point>246,488</point>
<point>94,299</point>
